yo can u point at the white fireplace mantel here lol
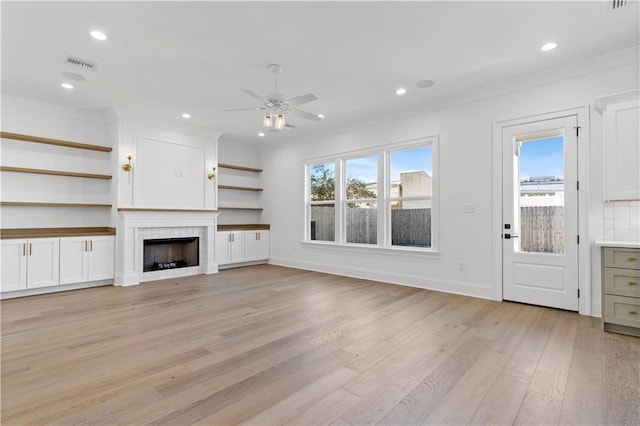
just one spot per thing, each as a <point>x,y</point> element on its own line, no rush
<point>134,222</point>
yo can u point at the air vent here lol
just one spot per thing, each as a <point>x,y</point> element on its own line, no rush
<point>79,63</point>
<point>619,3</point>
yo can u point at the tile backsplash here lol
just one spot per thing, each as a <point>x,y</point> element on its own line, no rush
<point>622,220</point>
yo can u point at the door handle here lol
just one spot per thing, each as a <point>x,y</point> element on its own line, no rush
<point>24,249</point>
<point>509,236</point>
<point>30,249</point>
<point>91,241</point>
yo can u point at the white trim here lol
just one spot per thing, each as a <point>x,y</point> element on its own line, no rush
<point>584,271</point>
<point>54,289</point>
<point>400,251</point>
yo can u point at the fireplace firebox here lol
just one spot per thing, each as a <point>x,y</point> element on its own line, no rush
<point>170,253</point>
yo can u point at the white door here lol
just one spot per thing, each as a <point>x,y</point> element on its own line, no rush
<point>43,264</point>
<point>101,258</point>
<point>250,245</point>
<point>14,265</point>
<point>73,260</point>
<point>540,213</point>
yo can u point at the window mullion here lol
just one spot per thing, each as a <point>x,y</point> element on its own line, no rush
<point>340,202</point>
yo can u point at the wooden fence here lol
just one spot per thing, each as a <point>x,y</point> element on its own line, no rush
<point>542,228</point>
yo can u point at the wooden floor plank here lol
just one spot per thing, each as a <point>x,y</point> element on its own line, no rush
<point>273,345</point>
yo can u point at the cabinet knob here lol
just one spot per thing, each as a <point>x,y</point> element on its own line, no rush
<point>24,249</point>
<point>633,283</point>
<point>631,259</point>
<point>633,313</point>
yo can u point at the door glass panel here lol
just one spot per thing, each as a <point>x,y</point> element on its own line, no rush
<point>540,215</point>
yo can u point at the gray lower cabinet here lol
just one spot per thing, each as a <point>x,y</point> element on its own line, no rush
<point>621,290</point>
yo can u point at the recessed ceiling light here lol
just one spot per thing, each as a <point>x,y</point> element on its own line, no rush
<point>261,134</point>
<point>320,115</point>
<point>67,86</point>
<point>401,91</point>
<point>549,46</point>
<point>73,76</point>
<point>186,115</point>
<point>98,35</point>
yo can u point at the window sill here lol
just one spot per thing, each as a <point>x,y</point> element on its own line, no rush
<point>365,249</point>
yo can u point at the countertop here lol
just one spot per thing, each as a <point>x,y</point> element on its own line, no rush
<point>624,244</point>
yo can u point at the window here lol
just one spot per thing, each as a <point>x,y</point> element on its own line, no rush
<point>380,198</point>
<point>321,202</point>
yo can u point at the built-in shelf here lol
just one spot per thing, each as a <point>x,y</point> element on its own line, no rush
<point>11,233</point>
<point>141,209</point>
<point>53,172</point>
<point>257,209</point>
<point>244,227</point>
<point>39,204</point>
<point>243,168</point>
<point>58,142</point>
<point>239,188</point>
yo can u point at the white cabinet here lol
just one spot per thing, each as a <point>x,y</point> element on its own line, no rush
<point>229,247</point>
<point>256,245</point>
<point>241,246</point>
<point>30,263</point>
<point>622,150</point>
<point>84,259</point>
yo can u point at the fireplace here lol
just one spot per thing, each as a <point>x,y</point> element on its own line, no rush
<point>170,253</point>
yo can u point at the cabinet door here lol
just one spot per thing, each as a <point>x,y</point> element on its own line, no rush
<point>237,246</point>
<point>73,260</point>
<point>14,265</point>
<point>223,241</point>
<point>43,264</point>
<point>250,245</point>
<point>262,246</point>
<point>256,245</point>
<point>622,150</point>
<point>101,258</point>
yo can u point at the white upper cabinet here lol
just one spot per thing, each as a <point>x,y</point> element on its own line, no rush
<point>622,150</point>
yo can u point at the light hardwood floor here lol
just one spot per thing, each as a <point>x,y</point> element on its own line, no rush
<point>272,345</point>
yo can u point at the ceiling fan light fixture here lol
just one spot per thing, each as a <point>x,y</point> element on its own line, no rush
<point>268,120</point>
<point>280,122</point>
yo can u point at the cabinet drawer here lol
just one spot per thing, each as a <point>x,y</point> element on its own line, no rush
<point>622,258</point>
<point>622,282</point>
<point>622,310</point>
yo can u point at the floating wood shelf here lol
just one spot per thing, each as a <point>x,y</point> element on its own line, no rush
<point>58,142</point>
<point>239,188</point>
<point>55,232</point>
<point>245,227</point>
<point>53,172</point>
<point>38,204</point>
<point>257,209</point>
<point>140,209</point>
<point>243,168</point>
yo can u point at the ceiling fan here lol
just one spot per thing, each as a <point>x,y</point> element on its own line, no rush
<point>277,106</point>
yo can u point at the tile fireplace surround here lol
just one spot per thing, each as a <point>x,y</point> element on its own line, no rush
<point>136,225</point>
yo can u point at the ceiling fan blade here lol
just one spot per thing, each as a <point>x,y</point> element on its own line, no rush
<point>253,94</point>
<point>302,99</point>
<point>305,114</point>
<point>246,109</point>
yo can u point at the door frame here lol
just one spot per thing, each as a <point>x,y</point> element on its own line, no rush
<point>584,268</point>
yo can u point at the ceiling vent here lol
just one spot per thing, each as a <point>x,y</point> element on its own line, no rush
<point>617,4</point>
<point>79,63</point>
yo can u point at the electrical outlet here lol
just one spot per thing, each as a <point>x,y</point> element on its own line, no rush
<point>468,208</point>
<point>460,266</point>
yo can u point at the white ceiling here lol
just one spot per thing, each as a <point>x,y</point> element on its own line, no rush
<point>166,58</point>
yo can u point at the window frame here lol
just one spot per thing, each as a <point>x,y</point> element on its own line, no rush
<point>383,200</point>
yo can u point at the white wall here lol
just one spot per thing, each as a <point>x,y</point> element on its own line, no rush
<point>51,121</point>
<point>169,166</point>
<point>464,125</point>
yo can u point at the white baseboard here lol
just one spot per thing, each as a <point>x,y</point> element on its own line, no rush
<point>446,286</point>
<point>54,289</point>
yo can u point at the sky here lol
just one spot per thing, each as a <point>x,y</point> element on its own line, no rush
<point>543,157</point>
<point>365,168</point>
